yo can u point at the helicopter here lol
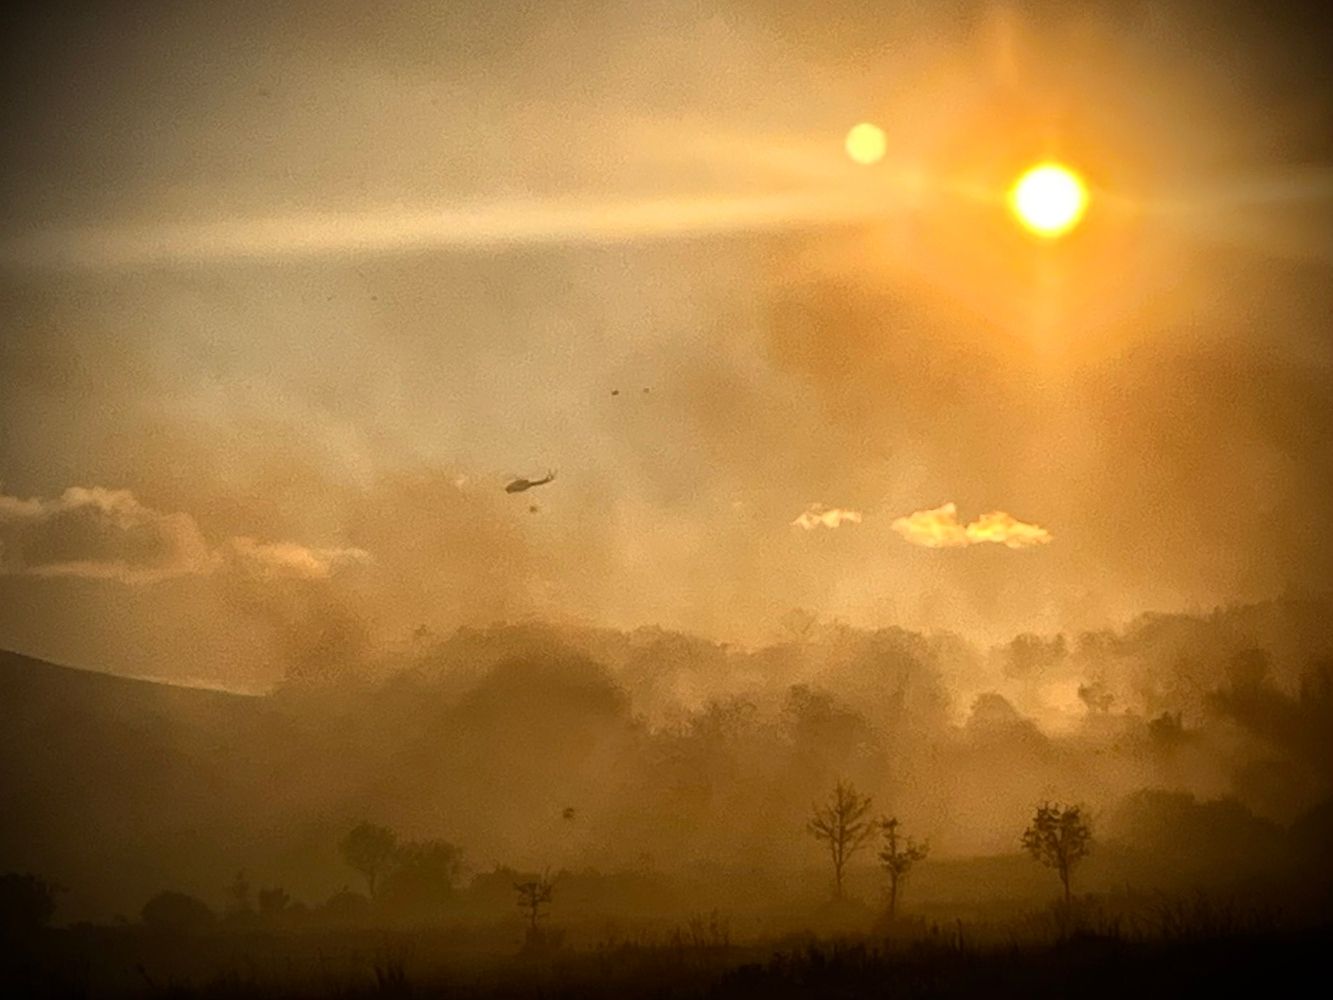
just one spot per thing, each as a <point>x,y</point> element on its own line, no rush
<point>519,485</point>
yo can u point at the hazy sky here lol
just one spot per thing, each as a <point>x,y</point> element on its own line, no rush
<point>290,291</point>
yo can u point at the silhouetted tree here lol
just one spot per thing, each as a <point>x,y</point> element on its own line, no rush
<point>798,622</point>
<point>532,896</point>
<point>1029,654</point>
<point>177,913</point>
<point>27,903</point>
<point>1310,836</point>
<point>1166,731</point>
<point>898,855</point>
<point>1096,697</point>
<point>273,902</point>
<point>841,824</point>
<point>424,875</point>
<point>238,894</point>
<point>344,909</point>
<point>1299,723</point>
<point>1059,837</point>
<point>371,850</point>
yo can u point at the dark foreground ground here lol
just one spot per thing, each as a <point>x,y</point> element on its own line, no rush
<point>1254,962</point>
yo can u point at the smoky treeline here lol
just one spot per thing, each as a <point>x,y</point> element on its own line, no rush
<point>674,773</point>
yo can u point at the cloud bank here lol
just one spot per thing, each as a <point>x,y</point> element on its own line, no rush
<point>104,534</point>
<point>288,559</point>
<point>939,528</point>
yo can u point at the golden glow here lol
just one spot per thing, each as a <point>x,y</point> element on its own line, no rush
<point>939,528</point>
<point>866,143</point>
<point>1049,199</point>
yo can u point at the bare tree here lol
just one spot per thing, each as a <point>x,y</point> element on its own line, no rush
<point>841,824</point>
<point>1059,837</point>
<point>371,850</point>
<point>532,896</point>
<point>898,855</point>
<point>238,894</point>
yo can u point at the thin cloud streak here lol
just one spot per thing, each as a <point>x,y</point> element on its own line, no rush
<point>395,230</point>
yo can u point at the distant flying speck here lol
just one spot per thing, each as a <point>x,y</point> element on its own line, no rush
<point>615,392</point>
<point>533,509</point>
<point>568,813</point>
<point>519,485</point>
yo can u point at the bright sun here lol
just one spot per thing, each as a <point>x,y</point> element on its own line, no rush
<point>1049,199</point>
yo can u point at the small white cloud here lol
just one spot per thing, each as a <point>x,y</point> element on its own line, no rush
<point>830,517</point>
<point>939,528</point>
<point>1006,530</point>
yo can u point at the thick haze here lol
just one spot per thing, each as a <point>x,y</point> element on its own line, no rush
<point>288,293</point>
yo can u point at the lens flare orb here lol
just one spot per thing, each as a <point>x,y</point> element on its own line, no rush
<point>866,143</point>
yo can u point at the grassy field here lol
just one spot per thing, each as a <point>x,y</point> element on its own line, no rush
<point>1168,947</point>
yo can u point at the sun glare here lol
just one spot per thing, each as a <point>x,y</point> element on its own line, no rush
<point>1049,199</point>
<point>866,143</point>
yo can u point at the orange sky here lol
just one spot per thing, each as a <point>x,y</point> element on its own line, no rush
<point>320,285</point>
